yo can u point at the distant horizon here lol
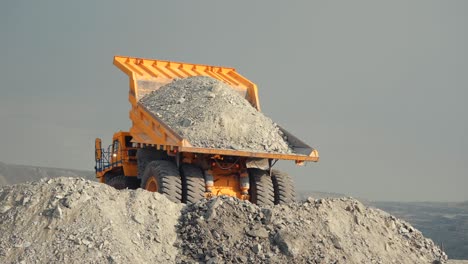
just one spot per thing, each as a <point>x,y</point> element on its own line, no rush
<point>299,191</point>
<point>43,166</point>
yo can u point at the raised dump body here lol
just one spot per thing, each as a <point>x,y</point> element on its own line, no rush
<point>147,129</point>
<point>156,158</point>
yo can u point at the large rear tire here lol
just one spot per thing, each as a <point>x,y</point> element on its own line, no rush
<point>193,183</point>
<point>285,192</point>
<point>261,188</point>
<point>163,176</point>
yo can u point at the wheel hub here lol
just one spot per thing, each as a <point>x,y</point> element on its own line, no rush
<point>152,184</point>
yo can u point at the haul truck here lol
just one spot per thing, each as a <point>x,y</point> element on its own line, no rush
<point>156,158</point>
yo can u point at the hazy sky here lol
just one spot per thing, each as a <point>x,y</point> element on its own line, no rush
<point>380,88</point>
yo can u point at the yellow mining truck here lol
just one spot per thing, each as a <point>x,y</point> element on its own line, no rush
<point>154,157</point>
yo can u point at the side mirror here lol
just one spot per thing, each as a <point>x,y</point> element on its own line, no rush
<point>98,149</point>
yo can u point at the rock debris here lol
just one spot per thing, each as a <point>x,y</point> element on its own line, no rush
<point>72,220</point>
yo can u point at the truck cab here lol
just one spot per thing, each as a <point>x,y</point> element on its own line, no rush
<point>119,158</point>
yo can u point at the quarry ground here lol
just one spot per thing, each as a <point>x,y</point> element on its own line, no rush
<point>73,220</point>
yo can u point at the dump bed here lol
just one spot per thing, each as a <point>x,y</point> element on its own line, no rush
<point>148,75</point>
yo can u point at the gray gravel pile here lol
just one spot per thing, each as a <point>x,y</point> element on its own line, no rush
<point>318,231</point>
<point>210,114</point>
<point>71,220</point>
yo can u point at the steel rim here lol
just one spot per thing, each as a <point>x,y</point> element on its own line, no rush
<point>151,185</point>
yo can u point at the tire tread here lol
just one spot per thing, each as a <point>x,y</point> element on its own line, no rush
<point>285,192</point>
<point>261,188</point>
<point>167,175</point>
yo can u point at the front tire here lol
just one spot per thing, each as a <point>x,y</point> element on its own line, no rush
<point>119,182</point>
<point>162,176</point>
<point>145,156</point>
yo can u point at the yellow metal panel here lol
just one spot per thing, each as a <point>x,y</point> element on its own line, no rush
<point>226,185</point>
<point>313,156</point>
<point>159,72</point>
<point>143,125</point>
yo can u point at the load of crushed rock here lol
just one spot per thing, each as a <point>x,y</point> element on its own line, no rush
<point>211,114</point>
<point>71,220</point>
